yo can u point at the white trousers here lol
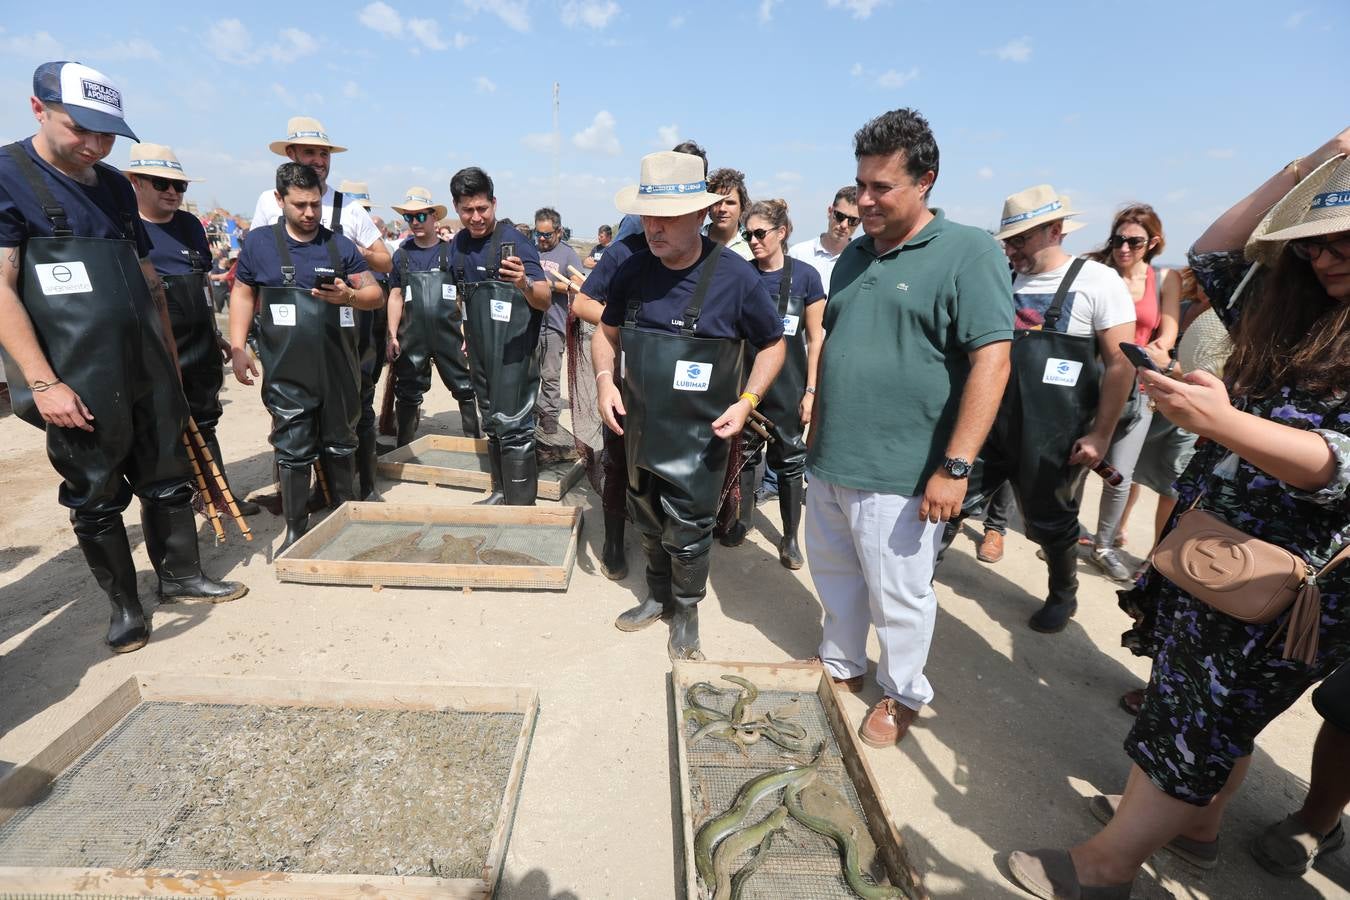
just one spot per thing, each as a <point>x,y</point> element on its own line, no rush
<point>872,561</point>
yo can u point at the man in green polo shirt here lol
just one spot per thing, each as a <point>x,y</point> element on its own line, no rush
<point>912,370</point>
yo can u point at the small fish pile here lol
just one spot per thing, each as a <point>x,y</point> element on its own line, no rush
<point>738,728</point>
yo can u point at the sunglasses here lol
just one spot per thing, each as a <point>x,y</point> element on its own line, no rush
<point>163,184</point>
<point>758,234</point>
<point>840,219</point>
<point>544,234</point>
<point>1309,249</point>
<point>1017,240</point>
<point>1134,243</point>
<point>418,217</point>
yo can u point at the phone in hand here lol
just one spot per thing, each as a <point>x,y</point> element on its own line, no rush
<point>1139,357</point>
<point>508,250</point>
<point>324,281</point>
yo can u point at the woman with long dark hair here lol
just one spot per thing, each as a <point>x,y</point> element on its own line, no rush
<point>1274,463</point>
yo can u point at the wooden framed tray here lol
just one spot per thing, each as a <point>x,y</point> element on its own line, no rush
<point>449,461</point>
<point>199,786</point>
<point>800,863</point>
<point>418,545</point>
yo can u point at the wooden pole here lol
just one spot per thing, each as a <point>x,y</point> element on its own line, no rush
<point>212,468</point>
<point>204,491</point>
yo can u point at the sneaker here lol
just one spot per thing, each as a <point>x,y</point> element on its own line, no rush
<point>1110,564</point>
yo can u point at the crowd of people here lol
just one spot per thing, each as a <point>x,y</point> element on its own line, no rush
<point>722,353</point>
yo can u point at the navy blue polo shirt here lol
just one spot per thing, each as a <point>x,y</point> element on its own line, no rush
<point>172,242</point>
<point>806,284</point>
<point>737,306</point>
<point>471,253</point>
<point>421,259</point>
<point>260,264</point>
<point>597,283</point>
<point>96,211</point>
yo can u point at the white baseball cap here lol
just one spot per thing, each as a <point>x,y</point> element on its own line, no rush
<point>91,98</point>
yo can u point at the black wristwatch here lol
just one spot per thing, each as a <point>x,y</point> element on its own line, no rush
<point>956,466</point>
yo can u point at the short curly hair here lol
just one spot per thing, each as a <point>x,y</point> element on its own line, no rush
<point>900,130</point>
<point>723,181</point>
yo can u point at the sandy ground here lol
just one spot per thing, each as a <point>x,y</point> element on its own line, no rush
<point>1024,726</point>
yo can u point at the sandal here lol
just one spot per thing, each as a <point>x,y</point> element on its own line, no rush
<point>1050,875</point>
<point>1290,848</point>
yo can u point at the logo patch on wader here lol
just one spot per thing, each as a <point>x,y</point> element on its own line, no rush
<point>692,376</point>
<point>501,310</point>
<point>283,314</point>
<point>63,278</point>
<point>1061,371</point>
<point>790,325</point>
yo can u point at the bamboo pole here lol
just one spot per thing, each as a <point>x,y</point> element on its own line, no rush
<point>218,477</point>
<point>204,491</point>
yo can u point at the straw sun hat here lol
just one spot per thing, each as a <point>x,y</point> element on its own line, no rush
<point>156,161</point>
<point>1035,206</point>
<point>307,131</point>
<point>1318,205</point>
<point>670,184</point>
<point>416,199</point>
<point>356,190</point>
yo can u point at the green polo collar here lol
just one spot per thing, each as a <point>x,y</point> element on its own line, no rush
<point>936,226</point>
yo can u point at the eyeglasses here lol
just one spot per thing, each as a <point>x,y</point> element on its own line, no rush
<point>841,218</point>
<point>757,234</point>
<point>163,184</point>
<point>544,234</point>
<point>1018,240</point>
<point>1119,240</point>
<point>418,217</point>
<point>1310,249</point>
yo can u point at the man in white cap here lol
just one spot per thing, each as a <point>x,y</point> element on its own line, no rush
<point>182,257</point>
<point>675,323</point>
<point>1057,415</point>
<point>426,324</point>
<point>88,345</point>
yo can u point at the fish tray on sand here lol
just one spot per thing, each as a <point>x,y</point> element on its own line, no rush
<point>800,863</point>
<point>461,462</point>
<point>416,545</point>
<point>199,786</point>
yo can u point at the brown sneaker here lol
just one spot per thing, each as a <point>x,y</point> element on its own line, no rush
<point>886,723</point>
<point>991,548</point>
<point>852,685</point>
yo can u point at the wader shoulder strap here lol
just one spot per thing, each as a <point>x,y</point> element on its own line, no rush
<point>784,286</point>
<point>445,258</point>
<point>1057,305</point>
<point>339,269</point>
<point>337,212</point>
<point>701,291</point>
<point>494,248</point>
<point>284,254</point>
<point>29,170</point>
<point>129,216</point>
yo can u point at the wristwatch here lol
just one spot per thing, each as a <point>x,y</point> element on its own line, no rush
<point>956,466</point>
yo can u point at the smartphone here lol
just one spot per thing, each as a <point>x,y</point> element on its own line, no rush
<point>1139,357</point>
<point>323,281</point>
<point>508,250</point>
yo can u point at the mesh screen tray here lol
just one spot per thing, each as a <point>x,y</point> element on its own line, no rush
<point>437,546</point>
<point>199,786</point>
<point>800,864</point>
<point>450,461</point>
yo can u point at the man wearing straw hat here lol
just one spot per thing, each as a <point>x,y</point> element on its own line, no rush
<point>370,326</point>
<point>674,328</point>
<point>1057,415</point>
<point>426,324</point>
<point>182,257</point>
<point>88,345</point>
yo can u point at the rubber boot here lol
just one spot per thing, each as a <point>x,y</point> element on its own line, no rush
<point>365,464</point>
<point>790,506</point>
<point>106,549</point>
<point>520,475</point>
<point>659,601</point>
<point>688,585</point>
<point>341,473</point>
<point>408,415</point>
<point>735,535</point>
<point>246,507</point>
<point>294,503</point>
<point>496,498</point>
<point>613,565</point>
<point>171,540</point>
<point>468,418</point>
<point>1062,603</point>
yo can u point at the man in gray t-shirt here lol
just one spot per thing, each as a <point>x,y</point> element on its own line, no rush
<point>555,257</point>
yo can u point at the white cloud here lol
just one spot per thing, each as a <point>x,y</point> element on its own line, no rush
<point>599,137</point>
<point>383,18</point>
<point>857,70</point>
<point>667,136</point>
<point>1221,153</point>
<point>1018,51</point>
<point>766,11</point>
<point>861,9</point>
<point>39,45</point>
<point>231,42</point>
<point>427,32</point>
<point>512,12</point>
<point>1296,18</point>
<point>893,79</point>
<point>484,85</point>
<point>352,91</point>
<point>985,173</point>
<point>461,40</point>
<point>591,13</point>
<point>675,22</point>
<point>136,48</point>
<point>540,142</point>
<point>295,43</point>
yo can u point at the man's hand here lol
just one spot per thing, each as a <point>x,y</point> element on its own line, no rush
<point>224,347</point>
<point>731,422</point>
<point>62,407</point>
<point>244,365</point>
<point>942,497</point>
<point>610,402</point>
<point>393,349</point>
<point>1089,450</point>
<point>513,270</point>
<point>339,293</point>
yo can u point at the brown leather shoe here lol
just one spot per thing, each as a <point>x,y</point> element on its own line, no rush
<point>886,723</point>
<point>852,685</point>
<point>991,548</point>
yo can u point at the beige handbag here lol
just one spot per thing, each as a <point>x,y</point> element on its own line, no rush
<point>1245,577</point>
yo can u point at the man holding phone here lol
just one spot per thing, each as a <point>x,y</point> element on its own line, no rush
<point>505,294</point>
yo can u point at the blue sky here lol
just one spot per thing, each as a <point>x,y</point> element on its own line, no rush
<point>1184,105</point>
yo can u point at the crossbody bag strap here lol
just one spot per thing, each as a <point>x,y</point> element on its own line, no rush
<point>53,210</point>
<point>1061,293</point>
<point>284,254</point>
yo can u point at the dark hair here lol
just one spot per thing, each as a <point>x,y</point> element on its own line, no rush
<point>693,149</point>
<point>605,229</point>
<point>900,130</point>
<point>848,193</point>
<point>776,211</point>
<point>548,214</point>
<point>296,175</point>
<point>723,181</point>
<point>1140,214</point>
<point>471,182</point>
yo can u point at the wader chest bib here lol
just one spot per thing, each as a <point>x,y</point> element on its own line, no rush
<point>192,314</point>
<point>674,387</point>
<point>311,370</point>
<point>432,327</point>
<point>503,334</point>
<point>782,401</point>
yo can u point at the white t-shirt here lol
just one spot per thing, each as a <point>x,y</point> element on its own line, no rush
<point>812,252</point>
<point>356,223</point>
<point>1097,300</point>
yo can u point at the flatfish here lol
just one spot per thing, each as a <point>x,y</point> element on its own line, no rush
<point>456,550</point>
<point>498,557</point>
<point>396,550</point>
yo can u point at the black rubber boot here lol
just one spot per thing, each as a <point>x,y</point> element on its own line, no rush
<point>468,418</point>
<point>365,465</point>
<point>246,507</point>
<point>294,503</point>
<point>408,415</point>
<point>520,475</point>
<point>736,534</point>
<point>658,601</point>
<point>171,540</point>
<point>613,565</point>
<point>106,549</point>
<point>688,585</point>
<point>790,507</point>
<point>1062,603</point>
<point>496,498</point>
<point>341,473</point>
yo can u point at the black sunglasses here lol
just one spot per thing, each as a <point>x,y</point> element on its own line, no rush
<point>1018,240</point>
<point>758,234</point>
<point>1119,240</point>
<point>418,217</point>
<point>1309,249</point>
<point>163,184</point>
<point>840,219</point>
<point>544,234</point>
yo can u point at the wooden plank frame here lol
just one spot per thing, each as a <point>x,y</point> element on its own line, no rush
<point>28,782</point>
<point>297,563</point>
<point>398,465</point>
<point>794,676</point>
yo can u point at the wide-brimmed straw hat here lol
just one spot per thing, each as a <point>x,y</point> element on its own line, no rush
<point>307,131</point>
<point>670,184</point>
<point>1038,205</point>
<point>356,190</point>
<point>1318,205</point>
<point>156,161</point>
<point>416,199</point>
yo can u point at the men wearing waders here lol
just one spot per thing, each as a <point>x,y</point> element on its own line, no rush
<point>674,328</point>
<point>87,347</point>
<point>182,257</point>
<point>1058,414</point>
<point>426,324</point>
<point>306,283</point>
<point>307,142</point>
<point>505,296</point>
